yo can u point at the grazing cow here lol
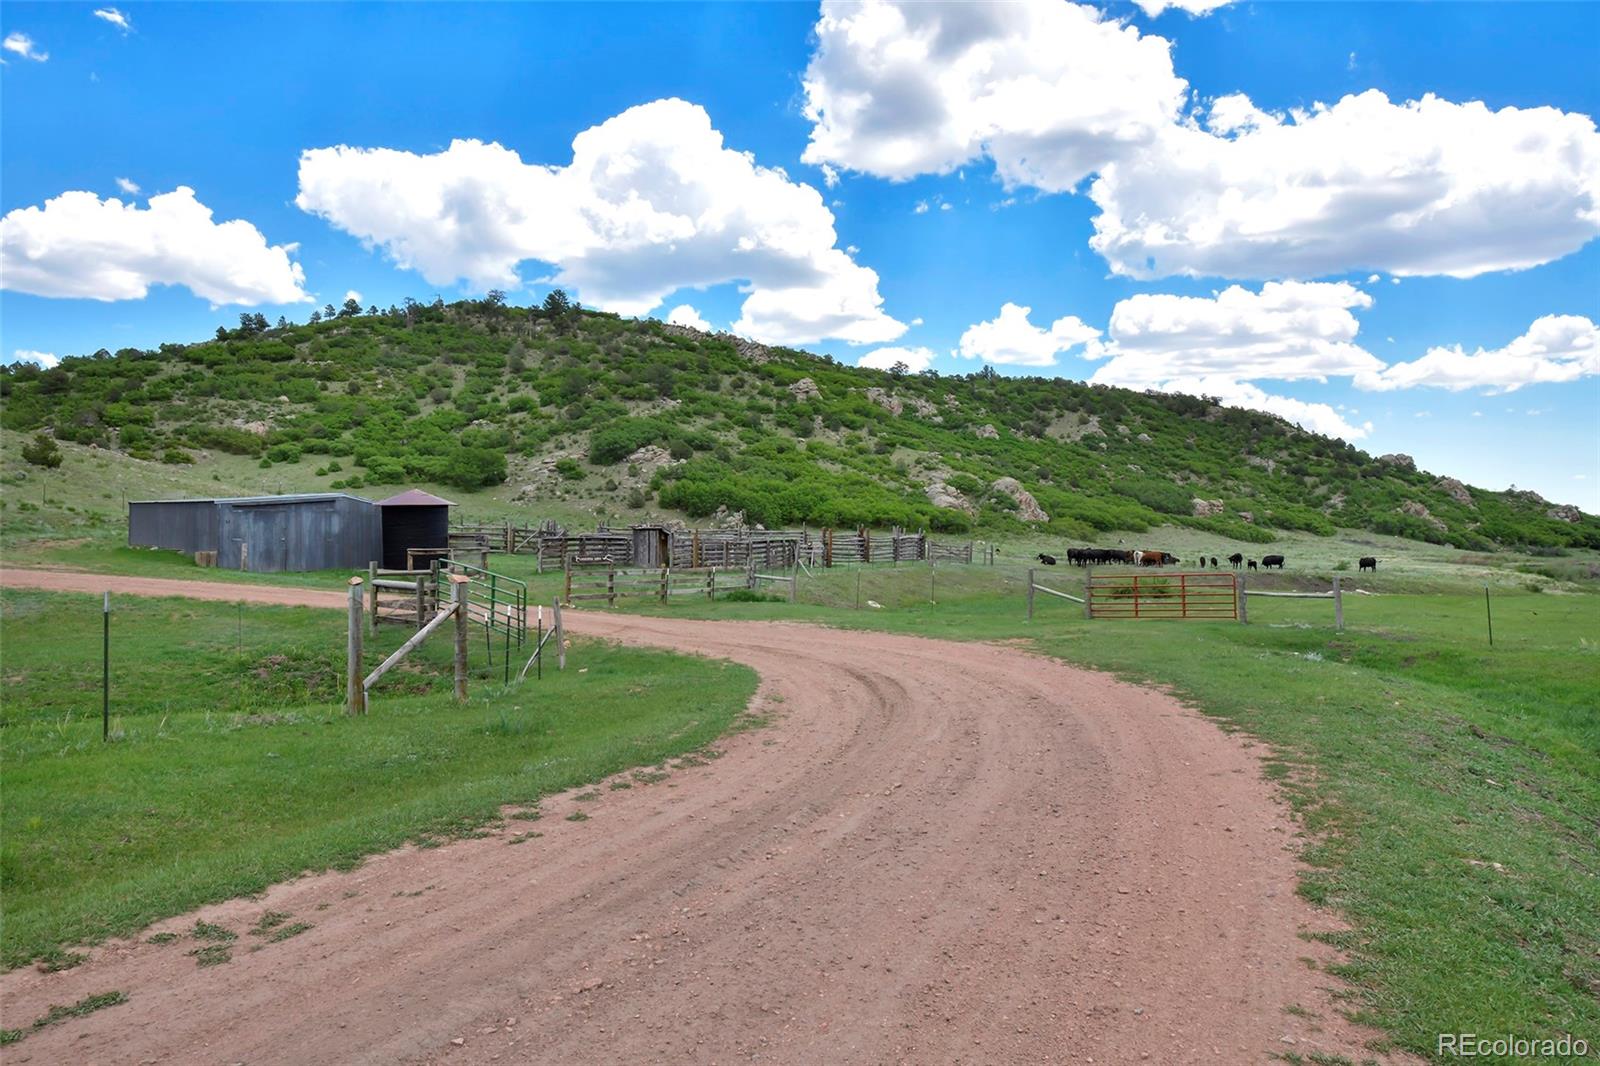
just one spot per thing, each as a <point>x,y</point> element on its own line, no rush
<point>1153,558</point>
<point>1252,564</point>
<point>1074,556</point>
<point>1214,565</point>
<point>1048,560</point>
<point>1369,562</point>
<point>1236,559</point>
<point>1270,561</point>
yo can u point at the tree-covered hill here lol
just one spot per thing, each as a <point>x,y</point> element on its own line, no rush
<point>575,404</point>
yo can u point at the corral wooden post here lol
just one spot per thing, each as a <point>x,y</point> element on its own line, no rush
<point>1030,595</point>
<point>611,588</point>
<point>433,581</point>
<point>422,603</point>
<point>1244,601</point>
<point>711,583</point>
<point>1338,605</point>
<point>561,641</point>
<point>827,548</point>
<point>866,545</point>
<point>1088,592</point>
<point>666,580</point>
<point>694,549</point>
<point>566,565</point>
<point>355,695</point>
<point>458,601</point>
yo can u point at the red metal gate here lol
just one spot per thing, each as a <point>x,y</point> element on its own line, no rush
<point>1208,594</point>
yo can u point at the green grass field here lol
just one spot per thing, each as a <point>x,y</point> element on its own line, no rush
<point>232,766</point>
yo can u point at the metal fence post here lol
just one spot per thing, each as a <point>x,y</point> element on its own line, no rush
<point>355,695</point>
<point>561,641</point>
<point>1030,595</point>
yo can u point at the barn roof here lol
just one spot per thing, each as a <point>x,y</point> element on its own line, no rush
<point>302,497</point>
<point>415,498</point>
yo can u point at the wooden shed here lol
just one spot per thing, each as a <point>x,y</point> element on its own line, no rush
<point>262,534</point>
<point>652,546</point>
<point>413,519</point>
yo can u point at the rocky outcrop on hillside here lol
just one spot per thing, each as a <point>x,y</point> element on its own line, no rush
<point>1400,459</point>
<point>804,389</point>
<point>941,495</point>
<point>897,405</point>
<point>1205,508</point>
<point>1455,490</point>
<point>1418,510</point>
<point>1028,508</point>
<point>1564,512</point>
<point>987,432</point>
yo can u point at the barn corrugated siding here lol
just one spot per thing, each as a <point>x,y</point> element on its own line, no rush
<point>267,534</point>
<point>181,525</point>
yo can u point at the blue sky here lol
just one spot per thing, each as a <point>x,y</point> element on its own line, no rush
<point>1337,288</point>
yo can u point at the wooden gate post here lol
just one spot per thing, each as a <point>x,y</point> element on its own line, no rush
<point>561,641</point>
<point>1338,605</point>
<point>1030,595</point>
<point>422,603</point>
<point>355,694</point>
<point>1088,592</point>
<point>458,600</point>
<point>372,593</point>
<point>666,581</point>
<point>1244,601</point>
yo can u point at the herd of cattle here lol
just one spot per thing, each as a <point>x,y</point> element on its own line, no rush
<point>1105,556</point>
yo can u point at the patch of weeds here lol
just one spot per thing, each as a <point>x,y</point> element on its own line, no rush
<point>208,931</point>
<point>649,777</point>
<point>531,814</point>
<point>577,816</point>
<point>621,783</point>
<point>163,938</point>
<point>211,955</point>
<point>323,906</point>
<point>1298,1011</point>
<point>284,933</point>
<point>58,960</point>
<point>84,1007</point>
<point>523,838</point>
<point>402,894</point>
<point>585,797</point>
<point>269,921</point>
<point>1323,1058</point>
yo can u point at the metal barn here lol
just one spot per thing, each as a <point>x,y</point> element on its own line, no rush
<point>264,534</point>
<point>413,519</point>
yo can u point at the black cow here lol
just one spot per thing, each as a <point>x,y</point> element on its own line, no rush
<point>1236,559</point>
<point>1369,562</point>
<point>1252,564</point>
<point>1270,561</point>
<point>1048,560</point>
<point>1214,565</point>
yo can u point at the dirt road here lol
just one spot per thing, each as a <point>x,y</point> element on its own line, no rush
<point>935,853</point>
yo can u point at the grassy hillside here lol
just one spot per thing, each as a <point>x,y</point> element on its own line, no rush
<point>574,413</point>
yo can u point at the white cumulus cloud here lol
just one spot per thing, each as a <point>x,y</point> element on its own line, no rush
<point>21,44</point>
<point>916,359</point>
<point>78,245</point>
<point>686,315</point>
<point>1055,92</point>
<point>652,201</point>
<point>129,186</point>
<point>1424,187</point>
<point>1556,348</point>
<point>43,360</point>
<point>1219,346</point>
<point>1010,339</point>
<point>1152,8</point>
<point>117,18</point>
<point>1050,91</point>
<point>352,295</point>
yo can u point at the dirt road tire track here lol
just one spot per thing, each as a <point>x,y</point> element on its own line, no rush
<point>935,853</point>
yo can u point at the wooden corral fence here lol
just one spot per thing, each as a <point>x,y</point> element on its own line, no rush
<point>1184,595</point>
<point>1336,594</point>
<point>663,583</point>
<point>656,545</point>
<point>1034,586</point>
<point>459,605</point>
<point>404,597</point>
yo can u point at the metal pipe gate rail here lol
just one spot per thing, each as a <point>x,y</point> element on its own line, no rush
<point>1183,595</point>
<point>494,601</point>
